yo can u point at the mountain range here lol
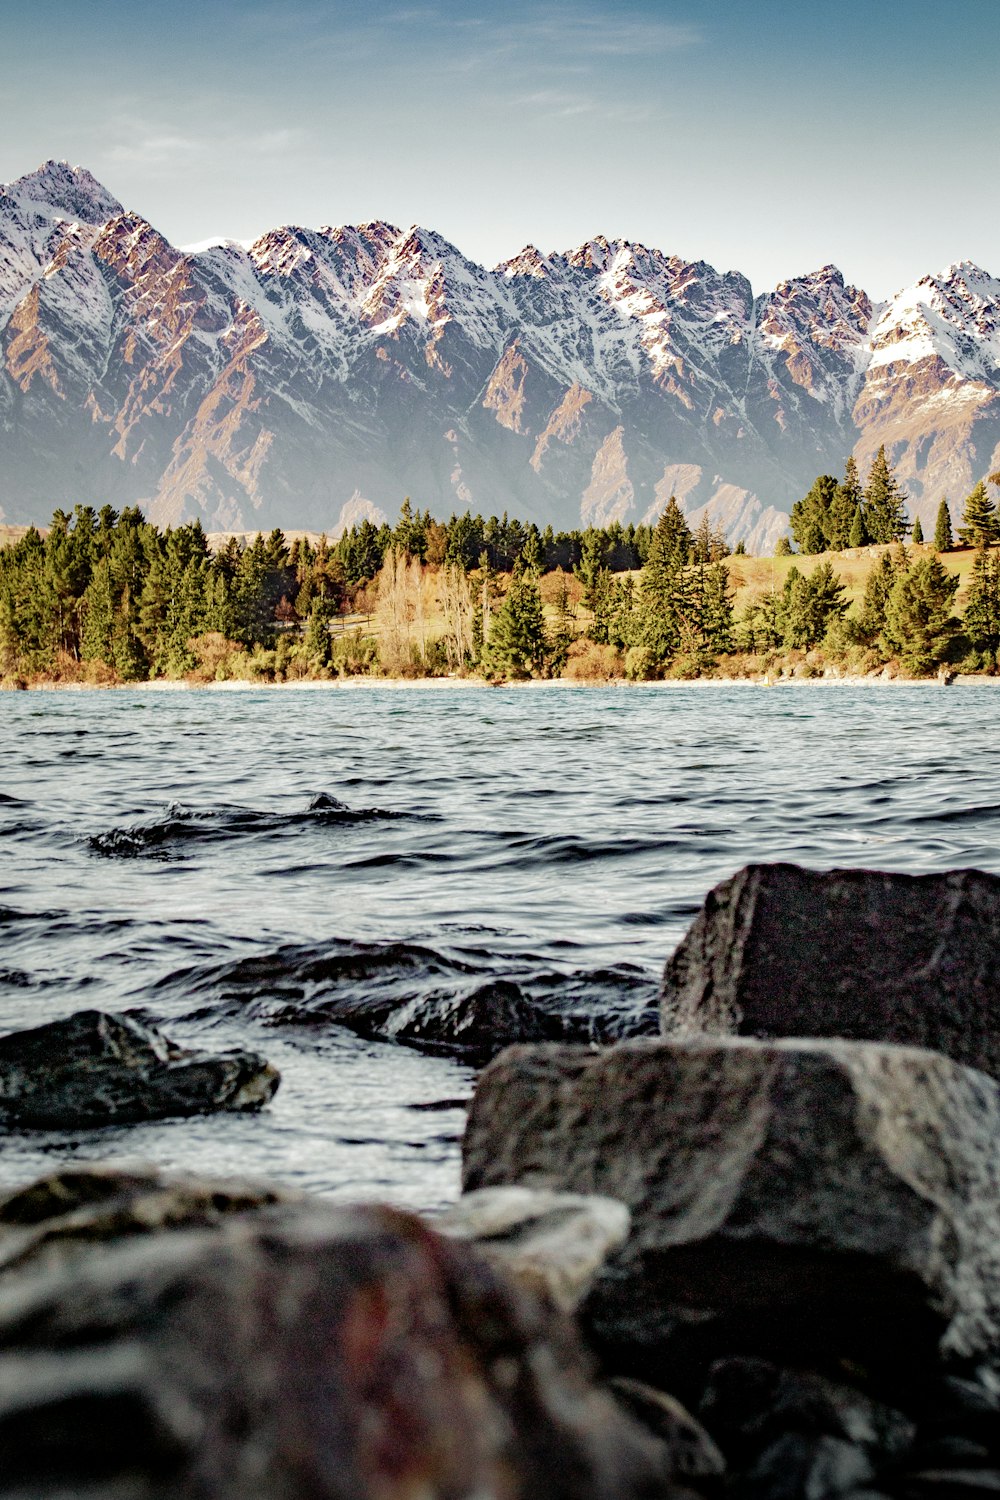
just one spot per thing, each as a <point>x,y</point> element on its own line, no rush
<point>317,376</point>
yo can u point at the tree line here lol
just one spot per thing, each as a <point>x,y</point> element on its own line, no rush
<point>111,597</point>
<point>838,514</point>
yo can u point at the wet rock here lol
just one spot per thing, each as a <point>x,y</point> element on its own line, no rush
<point>557,1241</point>
<point>76,1208</point>
<point>692,1453</point>
<point>343,1354</point>
<point>810,1202</point>
<point>101,1068</point>
<point>782,951</point>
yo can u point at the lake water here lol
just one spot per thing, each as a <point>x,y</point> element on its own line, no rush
<point>157,849</point>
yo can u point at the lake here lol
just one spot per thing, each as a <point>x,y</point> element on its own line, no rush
<point>157,849</point>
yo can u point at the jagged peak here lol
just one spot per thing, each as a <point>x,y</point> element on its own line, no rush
<point>63,191</point>
<point>527,262</point>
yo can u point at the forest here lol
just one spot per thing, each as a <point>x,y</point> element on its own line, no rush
<point>105,598</point>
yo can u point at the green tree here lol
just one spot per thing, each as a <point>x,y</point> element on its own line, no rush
<point>942,529</point>
<point>982,609</point>
<point>918,533</point>
<point>784,547</point>
<point>980,524</point>
<point>918,621</point>
<point>858,535</point>
<point>845,503</point>
<point>885,502</point>
<point>516,646</point>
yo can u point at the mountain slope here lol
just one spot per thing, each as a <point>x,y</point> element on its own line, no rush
<point>319,375</point>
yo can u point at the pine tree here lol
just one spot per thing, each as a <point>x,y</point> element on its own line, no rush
<point>980,525</point>
<point>982,609</point>
<point>942,529</point>
<point>516,644</point>
<point>664,588</point>
<point>918,533</point>
<point>885,502</point>
<point>857,536</point>
<point>843,506</point>
<point>784,547</point>
<point>918,620</point>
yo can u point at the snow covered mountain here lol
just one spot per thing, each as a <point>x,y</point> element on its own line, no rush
<point>317,376</point>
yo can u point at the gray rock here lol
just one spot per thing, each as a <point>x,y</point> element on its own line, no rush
<point>79,1207</point>
<point>950,1484</point>
<point>692,1453</point>
<point>558,1241</point>
<point>99,1068</point>
<point>806,1201</point>
<point>340,1354</point>
<point>795,1467</point>
<point>781,951</point>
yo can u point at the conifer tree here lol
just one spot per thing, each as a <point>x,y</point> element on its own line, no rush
<point>918,620</point>
<point>982,609</point>
<point>857,536</point>
<point>980,525</point>
<point>918,533</point>
<point>516,644</point>
<point>885,502</point>
<point>845,503</point>
<point>942,529</point>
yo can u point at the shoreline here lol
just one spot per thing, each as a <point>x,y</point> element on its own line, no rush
<point>445,684</point>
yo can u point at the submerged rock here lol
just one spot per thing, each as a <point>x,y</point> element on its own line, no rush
<point>101,1068</point>
<point>558,1241</point>
<point>343,1354</point>
<point>813,1201</point>
<point>782,951</point>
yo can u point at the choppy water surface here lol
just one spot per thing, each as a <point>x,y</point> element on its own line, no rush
<point>227,859</point>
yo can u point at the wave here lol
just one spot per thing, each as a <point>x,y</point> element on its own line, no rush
<point>466,1002</point>
<point>165,837</point>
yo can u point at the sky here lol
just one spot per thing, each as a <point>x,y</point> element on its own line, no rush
<point>765,136</point>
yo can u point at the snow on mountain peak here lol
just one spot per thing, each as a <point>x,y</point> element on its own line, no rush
<point>58,190</point>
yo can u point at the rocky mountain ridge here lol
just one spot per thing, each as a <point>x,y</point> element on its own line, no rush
<point>318,376</point>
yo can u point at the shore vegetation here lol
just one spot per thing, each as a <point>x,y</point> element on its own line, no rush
<point>104,598</point>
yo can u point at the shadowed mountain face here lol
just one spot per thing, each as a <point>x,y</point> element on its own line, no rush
<point>319,376</point>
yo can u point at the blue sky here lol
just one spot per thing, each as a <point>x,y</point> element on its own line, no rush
<point>761,135</point>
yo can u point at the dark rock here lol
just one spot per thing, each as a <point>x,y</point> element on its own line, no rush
<point>692,1453</point>
<point>950,1484</point>
<point>339,1354</point>
<point>810,1202</point>
<point>951,1452</point>
<point>99,1068</point>
<point>555,1241</point>
<point>796,1467</point>
<point>779,951</point>
<point>750,1402</point>
<point>76,1208</point>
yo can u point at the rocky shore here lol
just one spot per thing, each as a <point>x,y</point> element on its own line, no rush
<point>755,1255</point>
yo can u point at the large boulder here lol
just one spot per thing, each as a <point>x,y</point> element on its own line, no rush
<point>340,1354</point>
<point>817,1201</point>
<point>782,951</point>
<point>99,1068</point>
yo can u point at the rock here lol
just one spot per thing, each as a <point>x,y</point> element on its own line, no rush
<point>558,1241</point>
<point>101,1068</point>
<point>806,1201</point>
<point>70,1211</point>
<point>693,1454</point>
<point>750,1406</point>
<point>861,954</point>
<point>340,1354</point>
<point>950,1484</point>
<point>804,1468</point>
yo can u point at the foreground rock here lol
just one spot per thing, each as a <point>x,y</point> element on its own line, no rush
<point>99,1068</point>
<point>339,1354</point>
<point>77,1208</point>
<point>781,951</point>
<point>808,1201</point>
<point>556,1241</point>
